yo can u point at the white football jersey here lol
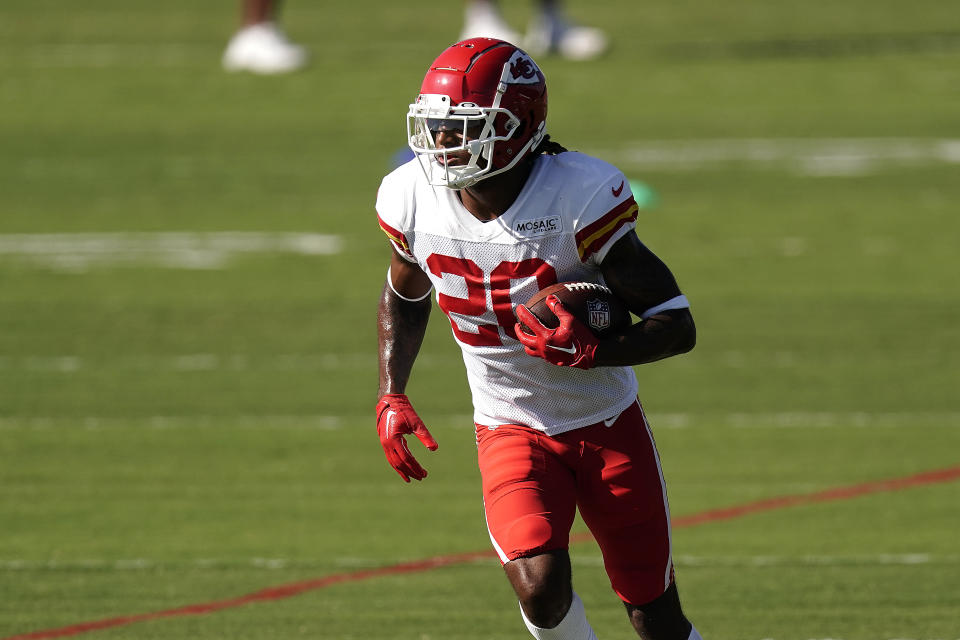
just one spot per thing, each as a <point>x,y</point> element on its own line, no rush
<point>572,209</point>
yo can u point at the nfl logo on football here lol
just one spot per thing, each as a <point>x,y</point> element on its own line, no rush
<point>598,314</point>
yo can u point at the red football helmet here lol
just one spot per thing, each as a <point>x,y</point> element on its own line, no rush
<point>492,96</point>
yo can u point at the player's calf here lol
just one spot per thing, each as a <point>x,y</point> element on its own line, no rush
<point>662,619</point>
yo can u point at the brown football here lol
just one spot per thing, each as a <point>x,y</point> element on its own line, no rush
<point>591,303</point>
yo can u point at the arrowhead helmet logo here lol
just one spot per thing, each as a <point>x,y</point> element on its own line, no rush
<point>521,69</point>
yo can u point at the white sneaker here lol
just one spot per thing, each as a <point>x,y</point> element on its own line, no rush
<point>483,21</point>
<point>552,34</point>
<point>263,48</point>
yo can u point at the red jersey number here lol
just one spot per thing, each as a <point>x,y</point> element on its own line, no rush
<point>475,304</point>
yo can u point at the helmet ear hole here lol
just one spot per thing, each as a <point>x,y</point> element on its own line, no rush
<point>518,132</point>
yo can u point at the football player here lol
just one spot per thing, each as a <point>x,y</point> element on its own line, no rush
<point>550,31</point>
<point>260,45</point>
<point>489,212</point>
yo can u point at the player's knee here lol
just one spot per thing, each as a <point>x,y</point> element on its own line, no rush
<point>542,585</point>
<point>545,606</point>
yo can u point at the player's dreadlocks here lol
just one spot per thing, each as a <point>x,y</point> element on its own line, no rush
<point>549,147</point>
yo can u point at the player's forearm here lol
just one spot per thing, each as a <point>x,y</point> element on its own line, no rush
<point>660,336</point>
<point>401,327</point>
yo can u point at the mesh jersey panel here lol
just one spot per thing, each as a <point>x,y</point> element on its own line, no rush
<point>571,210</point>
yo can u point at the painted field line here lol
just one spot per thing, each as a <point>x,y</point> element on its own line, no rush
<point>588,559</point>
<point>170,249</point>
<point>296,588</point>
<point>271,593</point>
<point>804,156</point>
<point>459,421</point>
<point>108,55</point>
<point>829,495</point>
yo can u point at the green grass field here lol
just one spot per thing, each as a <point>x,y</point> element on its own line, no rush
<point>187,418</point>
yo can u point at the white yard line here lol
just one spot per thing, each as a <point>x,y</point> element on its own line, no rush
<point>876,559</point>
<point>805,156</point>
<point>809,419</point>
<point>107,55</point>
<point>319,422</point>
<point>810,560</point>
<point>659,421</point>
<point>171,249</point>
<point>274,564</point>
<point>69,364</point>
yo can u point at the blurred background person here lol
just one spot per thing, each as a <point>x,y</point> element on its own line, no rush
<point>549,32</point>
<point>260,45</point>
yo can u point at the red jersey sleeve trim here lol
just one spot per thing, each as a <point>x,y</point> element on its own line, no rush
<point>592,237</point>
<point>398,239</point>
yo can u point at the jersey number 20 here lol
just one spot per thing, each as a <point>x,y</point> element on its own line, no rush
<point>475,304</point>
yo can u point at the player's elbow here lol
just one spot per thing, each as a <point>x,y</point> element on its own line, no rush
<point>686,332</point>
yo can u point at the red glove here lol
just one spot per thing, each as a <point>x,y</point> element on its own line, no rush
<point>572,344</point>
<point>396,417</point>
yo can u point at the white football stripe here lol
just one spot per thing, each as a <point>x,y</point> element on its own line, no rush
<point>105,55</point>
<point>760,561</point>
<point>458,421</point>
<point>319,422</point>
<point>172,249</point>
<point>273,564</point>
<point>808,419</point>
<point>805,156</point>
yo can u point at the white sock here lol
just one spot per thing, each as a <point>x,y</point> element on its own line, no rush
<point>574,625</point>
<point>694,634</point>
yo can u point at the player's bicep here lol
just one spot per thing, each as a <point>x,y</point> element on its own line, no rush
<point>407,279</point>
<point>639,278</point>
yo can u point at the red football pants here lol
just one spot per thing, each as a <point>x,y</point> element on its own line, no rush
<point>533,484</point>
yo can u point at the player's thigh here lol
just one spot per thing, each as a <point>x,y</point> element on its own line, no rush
<point>529,492</point>
<point>622,498</point>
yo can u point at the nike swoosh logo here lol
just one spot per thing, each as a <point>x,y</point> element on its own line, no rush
<point>564,349</point>
<point>618,190</point>
<point>609,421</point>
